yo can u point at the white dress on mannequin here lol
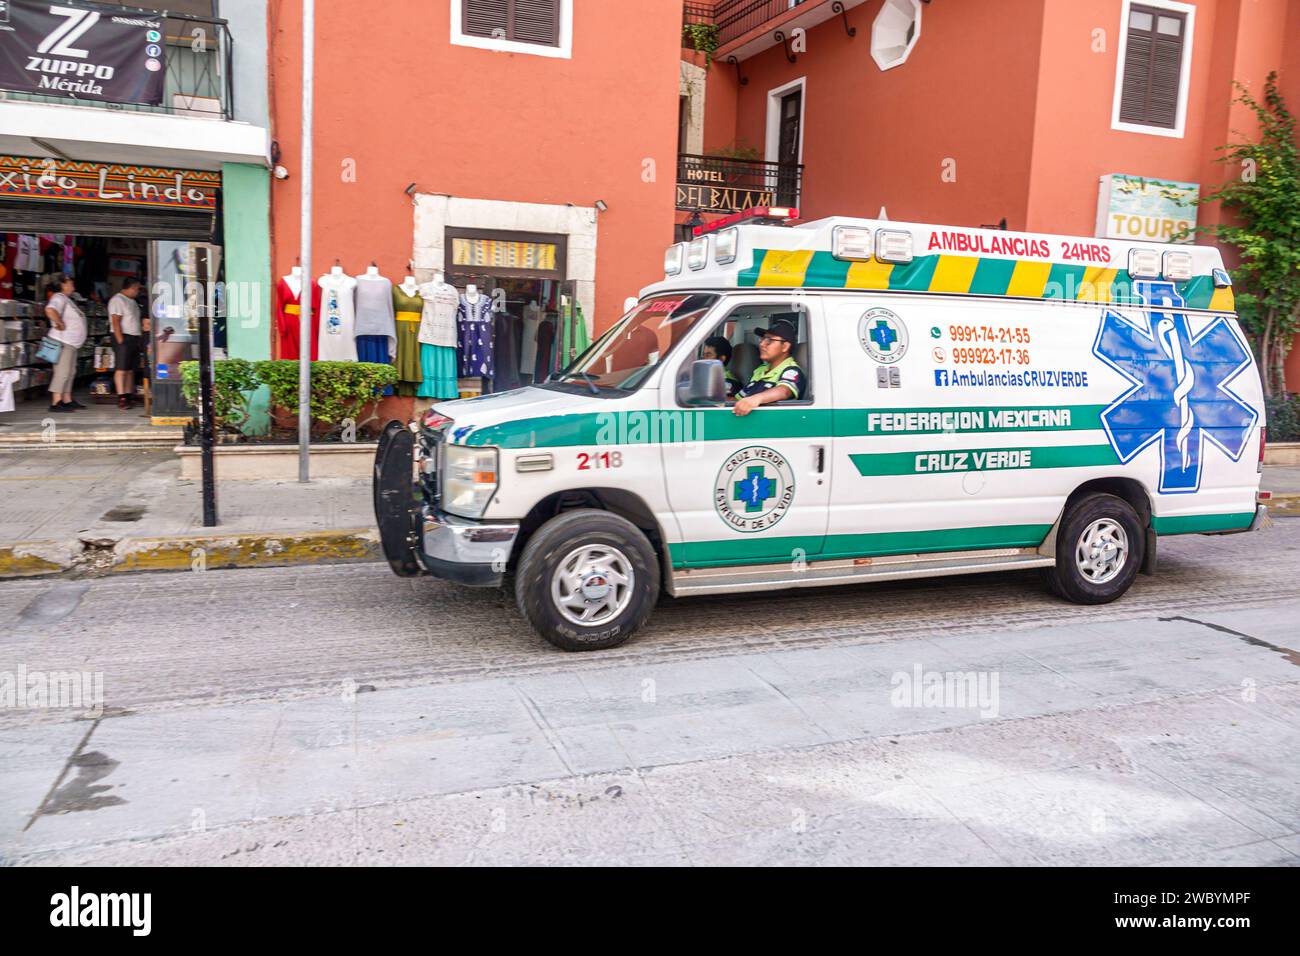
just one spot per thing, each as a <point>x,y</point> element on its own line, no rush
<point>337,341</point>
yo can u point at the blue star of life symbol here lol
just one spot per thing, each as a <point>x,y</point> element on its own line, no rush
<point>754,489</point>
<point>883,334</point>
<point>1180,397</point>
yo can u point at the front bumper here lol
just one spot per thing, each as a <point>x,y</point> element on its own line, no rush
<point>464,551</point>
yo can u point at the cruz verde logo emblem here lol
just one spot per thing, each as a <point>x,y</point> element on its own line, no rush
<point>754,489</point>
<point>1181,396</point>
<point>883,336</point>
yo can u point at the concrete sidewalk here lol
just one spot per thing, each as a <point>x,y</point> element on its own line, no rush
<point>111,510</point>
<point>108,510</point>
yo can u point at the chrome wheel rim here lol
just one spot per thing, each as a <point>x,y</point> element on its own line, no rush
<point>1102,551</point>
<point>592,585</point>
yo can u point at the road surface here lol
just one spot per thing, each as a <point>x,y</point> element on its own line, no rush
<point>340,715</point>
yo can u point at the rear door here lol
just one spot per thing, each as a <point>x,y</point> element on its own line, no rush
<point>752,489</point>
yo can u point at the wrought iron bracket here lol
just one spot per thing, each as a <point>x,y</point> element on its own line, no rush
<point>838,7</point>
<point>780,37</point>
<point>740,77</point>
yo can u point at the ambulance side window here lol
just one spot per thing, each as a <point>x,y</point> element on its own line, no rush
<point>738,333</point>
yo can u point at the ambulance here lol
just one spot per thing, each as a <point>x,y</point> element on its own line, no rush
<point>973,400</point>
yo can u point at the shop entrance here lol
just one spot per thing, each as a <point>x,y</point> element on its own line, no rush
<point>538,326</point>
<point>102,225</point>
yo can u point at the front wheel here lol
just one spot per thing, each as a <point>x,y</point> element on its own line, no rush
<point>587,580</point>
<point>1099,549</point>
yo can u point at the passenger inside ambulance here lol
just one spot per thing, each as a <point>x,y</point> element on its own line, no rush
<point>769,372</point>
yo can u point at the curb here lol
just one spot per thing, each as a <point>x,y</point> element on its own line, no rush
<point>1287,504</point>
<point>102,557</point>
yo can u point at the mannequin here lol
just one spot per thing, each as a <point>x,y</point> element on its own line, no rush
<point>410,286</point>
<point>474,322</point>
<point>408,308</point>
<point>375,332</point>
<point>337,342</point>
<point>438,338</point>
<point>288,314</point>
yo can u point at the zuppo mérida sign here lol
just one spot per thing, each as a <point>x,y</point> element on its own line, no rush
<point>59,49</point>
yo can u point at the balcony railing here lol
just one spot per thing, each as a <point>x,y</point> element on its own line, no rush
<point>718,184</point>
<point>197,78</point>
<point>735,18</point>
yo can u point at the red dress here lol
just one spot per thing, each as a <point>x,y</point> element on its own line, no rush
<point>288,312</point>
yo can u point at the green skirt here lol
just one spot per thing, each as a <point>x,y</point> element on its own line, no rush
<point>409,375</point>
<point>438,365</point>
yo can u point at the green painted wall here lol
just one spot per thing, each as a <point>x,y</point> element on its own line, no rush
<point>246,213</point>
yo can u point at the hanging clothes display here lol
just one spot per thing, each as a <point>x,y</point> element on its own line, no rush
<point>288,319</point>
<point>506,375</point>
<point>337,341</point>
<point>438,365</point>
<point>573,333</point>
<point>409,310</point>
<point>532,321</point>
<point>474,324</point>
<point>545,351</point>
<point>375,329</point>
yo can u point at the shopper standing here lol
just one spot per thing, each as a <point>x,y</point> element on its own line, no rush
<point>68,327</point>
<point>128,340</point>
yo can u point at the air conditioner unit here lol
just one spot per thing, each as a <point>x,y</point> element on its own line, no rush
<point>187,104</point>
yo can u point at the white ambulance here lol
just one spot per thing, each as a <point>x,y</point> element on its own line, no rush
<point>967,400</point>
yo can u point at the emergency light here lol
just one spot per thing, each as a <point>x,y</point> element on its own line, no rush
<point>1178,266</point>
<point>757,216</point>
<point>673,259</point>
<point>894,245</point>
<point>851,243</point>
<point>724,246</point>
<point>697,253</point>
<point>1144,263</point>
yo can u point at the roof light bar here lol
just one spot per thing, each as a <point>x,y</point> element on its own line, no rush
<point>673,257</point>
<point>852,243</point>
<point>894,245</point>
<point>697,253</point>
<point>1144,263</point>
<point>1178,266</point>
<point>758,215</point>
<point>725,244</point>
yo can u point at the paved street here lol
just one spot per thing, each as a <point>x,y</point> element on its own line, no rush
<point>338,714</point>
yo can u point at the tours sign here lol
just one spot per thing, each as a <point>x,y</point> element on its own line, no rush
<point>1138,208</point>
<point>23,177</point>
<point>81,52</point>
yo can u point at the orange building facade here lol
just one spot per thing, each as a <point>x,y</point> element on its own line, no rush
<point>986,112</point>
<point>434,125</point>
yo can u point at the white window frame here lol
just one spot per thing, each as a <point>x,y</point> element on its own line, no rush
<point>564,50</point>
<point>773,143</point>
<point>1184,69</point>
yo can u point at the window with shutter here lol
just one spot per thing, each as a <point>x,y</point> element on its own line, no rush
<point>519,21</point>
<point>1153,66</point>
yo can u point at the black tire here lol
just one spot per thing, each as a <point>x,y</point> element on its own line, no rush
<point>556,541</point>
<point>1066,579</point>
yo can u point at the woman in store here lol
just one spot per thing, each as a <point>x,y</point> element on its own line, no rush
<point>67,326</point>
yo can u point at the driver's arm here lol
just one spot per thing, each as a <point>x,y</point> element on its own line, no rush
<point>777,393</point>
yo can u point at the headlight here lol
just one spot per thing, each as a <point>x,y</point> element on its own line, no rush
<point>469,479</point>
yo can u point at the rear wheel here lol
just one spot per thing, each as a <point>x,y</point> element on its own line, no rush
<point>587,580</point>
<point>1099,549</point>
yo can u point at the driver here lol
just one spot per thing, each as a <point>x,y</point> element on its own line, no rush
<point>778,379</point>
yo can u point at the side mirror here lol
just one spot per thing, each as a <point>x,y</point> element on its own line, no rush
<point>707,384</point>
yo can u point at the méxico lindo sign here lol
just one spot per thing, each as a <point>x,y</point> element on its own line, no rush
<point>85,53</point>
<point>23,177</point>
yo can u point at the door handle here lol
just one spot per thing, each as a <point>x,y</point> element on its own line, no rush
<point>819,458</point>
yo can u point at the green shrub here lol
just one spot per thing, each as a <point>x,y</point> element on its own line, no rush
<point>232,379</point>
<point>1283,418</point>
<point>338,389</point>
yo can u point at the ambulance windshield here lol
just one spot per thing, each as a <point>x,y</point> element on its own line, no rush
<point>621,359</point>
